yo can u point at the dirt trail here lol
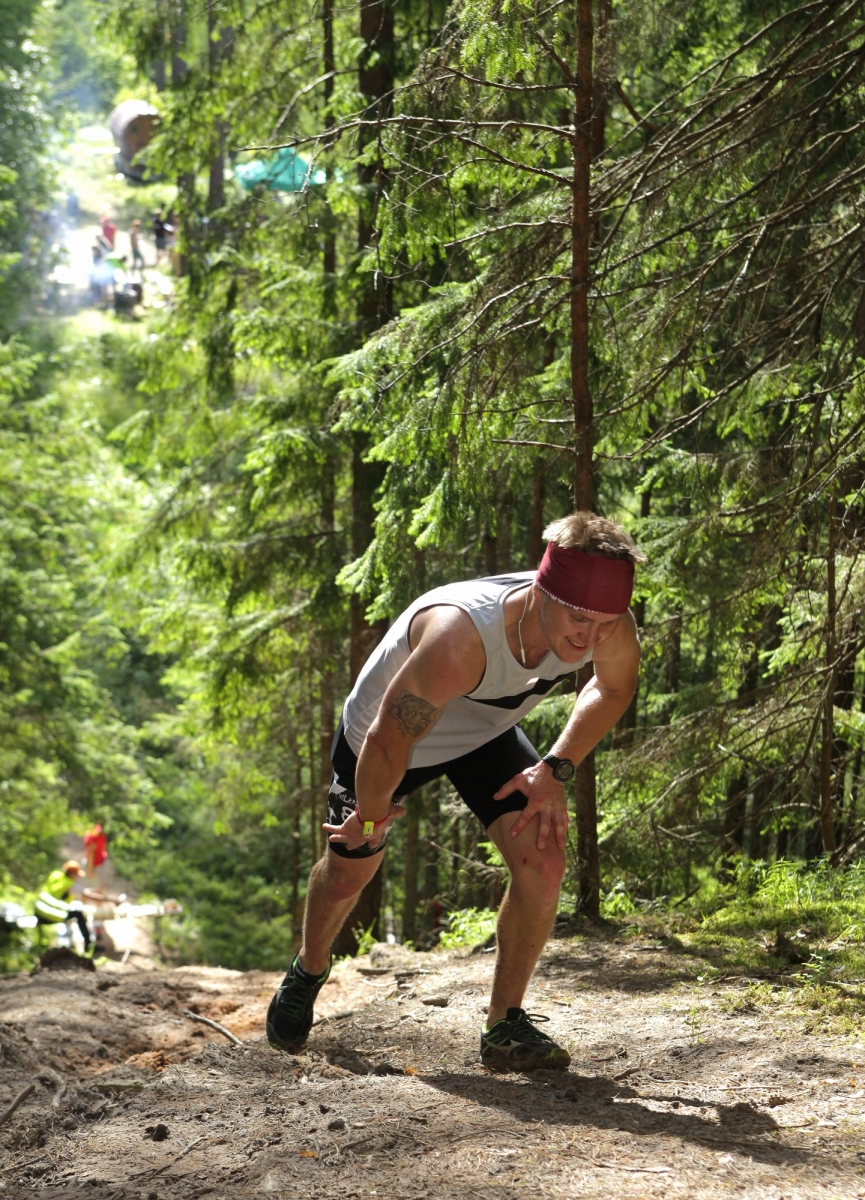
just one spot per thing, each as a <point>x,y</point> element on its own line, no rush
<point>675,1089</point>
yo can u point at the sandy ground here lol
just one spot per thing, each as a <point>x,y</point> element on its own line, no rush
<point>675,1089</point>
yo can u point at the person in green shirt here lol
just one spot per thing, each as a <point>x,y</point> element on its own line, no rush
<point>53,904</point>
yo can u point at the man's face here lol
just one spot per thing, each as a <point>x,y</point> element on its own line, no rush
<point>570,631</point>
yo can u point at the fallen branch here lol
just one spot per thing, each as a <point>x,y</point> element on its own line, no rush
<point>342,1017</point>
<point>47,1076</point>
<point>639,1170</point>
<point>624,1074</point>
<point>19,1099</point>
<point>213,1025</point>
<point>151,1174</point>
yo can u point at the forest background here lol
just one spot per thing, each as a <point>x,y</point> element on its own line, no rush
<point>545,254</point>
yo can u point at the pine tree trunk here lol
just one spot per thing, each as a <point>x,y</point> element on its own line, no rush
<point>489,548</point>
<point>536,527</point>
<point>186,180</point>
<point>328,650</point>
<point>602,78</point>
<point>375,79</point>
<point>432,836</point>
<point>217,46</point>
<point>295,858</point>
<point>586,789</point>
<point>580,234</point>
<point>456,862</point>
<point>316,836</point>
<point>626,728</point>
<point>410,869</point>
<point>827,808</point>
<point>329,257</point>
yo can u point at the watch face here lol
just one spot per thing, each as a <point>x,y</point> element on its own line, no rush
<point>563,771</point>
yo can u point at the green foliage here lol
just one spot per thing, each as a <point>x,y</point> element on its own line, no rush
<point>85,71</point>
<point>468,927</point>
<point>785,894</point>
<point>25,170</point>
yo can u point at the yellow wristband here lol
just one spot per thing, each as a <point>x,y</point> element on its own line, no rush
<point>368,828</point>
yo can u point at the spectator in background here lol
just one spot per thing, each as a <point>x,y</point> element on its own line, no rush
<point>55,904</point>
<point>96,849</point>
<point>101,273</point>
<point>135,243</point>
<point>109,230</point>
<point>160,234</point>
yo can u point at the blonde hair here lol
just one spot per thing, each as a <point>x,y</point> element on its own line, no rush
<point>594,535</point>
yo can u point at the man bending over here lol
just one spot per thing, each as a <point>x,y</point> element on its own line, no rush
<point>443,694</point>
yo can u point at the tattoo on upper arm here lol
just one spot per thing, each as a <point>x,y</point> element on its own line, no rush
<point>413,714</point>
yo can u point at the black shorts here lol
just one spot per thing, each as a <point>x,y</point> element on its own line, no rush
<point>477,776</point>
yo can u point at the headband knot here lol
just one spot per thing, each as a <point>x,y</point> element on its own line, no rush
<point>588,581</point>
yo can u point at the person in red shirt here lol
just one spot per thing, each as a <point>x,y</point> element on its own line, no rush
<point>109,230</point>
<point>96,848</point>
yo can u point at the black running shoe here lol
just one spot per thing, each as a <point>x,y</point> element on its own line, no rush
<point>514,1044</point>
<point>289,1017</point>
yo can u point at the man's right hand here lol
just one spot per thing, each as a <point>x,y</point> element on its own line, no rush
<point>350,832</point>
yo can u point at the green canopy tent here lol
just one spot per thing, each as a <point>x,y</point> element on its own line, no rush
<point>285,172</point>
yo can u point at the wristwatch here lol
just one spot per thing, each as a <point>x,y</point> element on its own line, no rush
<point>563,769</point>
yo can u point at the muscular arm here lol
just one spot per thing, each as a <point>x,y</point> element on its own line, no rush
<point>606,697</point>
<point>447,660</point>
<point>599,705</point>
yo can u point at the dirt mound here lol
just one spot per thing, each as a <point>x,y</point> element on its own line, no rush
<point>61,958</point>
<point>674,1089</point>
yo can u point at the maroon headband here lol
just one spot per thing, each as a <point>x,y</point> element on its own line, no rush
<point>588,581</point>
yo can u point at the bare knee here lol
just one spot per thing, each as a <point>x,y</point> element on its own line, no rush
<point>540,872</point>
<point>345,878</point>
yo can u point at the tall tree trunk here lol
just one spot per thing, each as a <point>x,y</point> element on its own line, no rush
<point>624,734</point>
<point>329,256</point>
<point>186,179</point>
<point>365,480</point>
<point>328,650</point>
<point>376,87</point>
<point>588,861</point>
<point>159,74</point>
<point>827,808</point>
<point>410,869</point>
<point>581,396</point>
<point>431,861</point>
<point>603,78</point>
<point>735,814</point>
<point>375,79</point>
<point>316,835</point>
<point>503,551</point>
<point>488,542</point>
<point>217,47</point>
<point>295,858</point>
<point>456,862</point>
<point>673,665</point>
<point>536,525</point>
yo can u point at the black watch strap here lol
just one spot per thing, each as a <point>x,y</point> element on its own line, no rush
<point>563,769</point>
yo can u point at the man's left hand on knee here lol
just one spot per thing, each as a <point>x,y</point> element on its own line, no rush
<point>546,801</point>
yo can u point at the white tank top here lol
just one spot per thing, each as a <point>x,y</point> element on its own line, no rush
<point>506,693</point>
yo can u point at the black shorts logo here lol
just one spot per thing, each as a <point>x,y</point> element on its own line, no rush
<point>341,803</point>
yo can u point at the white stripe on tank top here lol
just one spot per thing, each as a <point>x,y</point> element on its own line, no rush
<point>507,692</point>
